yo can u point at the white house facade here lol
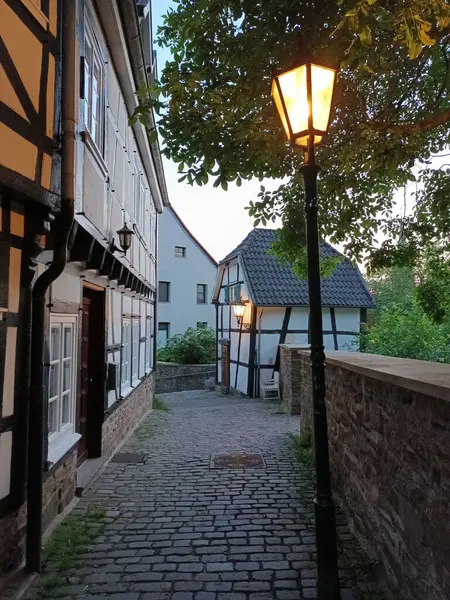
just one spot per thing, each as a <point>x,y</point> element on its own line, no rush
<point>276,311</point>
<point>187,275</point>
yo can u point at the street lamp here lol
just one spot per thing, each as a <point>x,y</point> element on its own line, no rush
<point>303,97</point>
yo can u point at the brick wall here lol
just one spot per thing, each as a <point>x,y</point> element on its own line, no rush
<point>390,466</point>
<point>125,416</point>
<point>171,377</point>
<point>57,492</point>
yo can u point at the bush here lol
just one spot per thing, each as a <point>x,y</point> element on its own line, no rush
<point>193,347</point>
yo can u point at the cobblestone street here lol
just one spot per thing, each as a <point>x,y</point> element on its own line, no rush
<point>177,529</point>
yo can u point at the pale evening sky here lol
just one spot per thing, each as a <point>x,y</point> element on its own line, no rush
<point>218,219</point>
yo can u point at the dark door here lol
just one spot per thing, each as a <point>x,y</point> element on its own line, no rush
<point>84,386</point>
<point>225,364</point>
<point>92,385</point>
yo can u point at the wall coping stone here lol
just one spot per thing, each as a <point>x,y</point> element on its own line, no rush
<point>428,378</point>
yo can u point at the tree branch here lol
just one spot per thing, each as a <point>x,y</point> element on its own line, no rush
<point>408,128</point>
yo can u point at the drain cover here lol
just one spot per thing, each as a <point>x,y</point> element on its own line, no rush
<point>128,457</point>
<point>238,460</point>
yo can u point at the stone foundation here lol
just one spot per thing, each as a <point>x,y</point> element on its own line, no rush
<point>58,491</point>
<point>60,482</point>
<point>172,377</point>
<point>126,415</point>
<point>390,462</point>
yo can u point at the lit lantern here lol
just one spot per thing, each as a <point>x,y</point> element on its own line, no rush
<point>303,97</point>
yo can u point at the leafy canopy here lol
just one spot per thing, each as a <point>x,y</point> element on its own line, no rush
<point>218,121</point>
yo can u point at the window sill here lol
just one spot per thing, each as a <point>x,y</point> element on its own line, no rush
<point>126,391</point>
<point>135,383</point>
<point>93,149</point>
<point>62,445</point>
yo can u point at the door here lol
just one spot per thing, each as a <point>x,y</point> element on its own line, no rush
<point>84,386</point>
<point>91,408</point>
<point>225,363</point>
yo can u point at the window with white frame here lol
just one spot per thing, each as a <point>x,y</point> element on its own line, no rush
<point>94,88</point>
<point>148,343</point>
<point>62,382</point>
<point>135,350</point>
<point>126,353</point>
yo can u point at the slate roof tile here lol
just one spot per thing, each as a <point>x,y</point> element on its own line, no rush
<point>272,284</point>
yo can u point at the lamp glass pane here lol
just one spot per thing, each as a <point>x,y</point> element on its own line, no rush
<point>303,141</point>
<point>239,310</point>
<point>280,109</point>
<point>293,88</point>
<point>322,80</point>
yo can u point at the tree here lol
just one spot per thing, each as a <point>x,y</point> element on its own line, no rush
<point>400,326</point>
<point>392,110</point>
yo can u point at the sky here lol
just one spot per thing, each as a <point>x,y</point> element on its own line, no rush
<point>218,219</point>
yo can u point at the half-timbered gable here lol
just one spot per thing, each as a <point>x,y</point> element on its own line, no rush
<point>276,310</point>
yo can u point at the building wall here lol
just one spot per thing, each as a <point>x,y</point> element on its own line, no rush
<point>273,326</point>
<point>183,273</point>
<point>389,424</point>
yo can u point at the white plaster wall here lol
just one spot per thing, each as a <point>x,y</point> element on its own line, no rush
<point>347,319</point>
<point>182,311</point>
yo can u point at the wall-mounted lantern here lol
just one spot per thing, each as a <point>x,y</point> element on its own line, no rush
<point>239,311</point>
<point>125,234</point>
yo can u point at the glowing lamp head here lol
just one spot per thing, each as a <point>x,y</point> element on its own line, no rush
<point>303,97</point>
<point>239,310</point>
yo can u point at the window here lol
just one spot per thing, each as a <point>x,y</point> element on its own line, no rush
<point>148,343</point>
<point>180,251</point>
<point>233,293</point>
<point>93,87</point>
<point>201,293</point>
<point>62,384</point>
<point>126,353</point>
<point>163,334</point>
<point>135,350</point>
<point>202,324</point>
<point>164,291</point>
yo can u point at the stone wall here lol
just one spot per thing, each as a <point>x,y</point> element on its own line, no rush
<point>60,482</point>
<point>390,463</point>
<point>172,377</point>
<point>292,377</point>
<point>58,491</point>
<point>126,414</point>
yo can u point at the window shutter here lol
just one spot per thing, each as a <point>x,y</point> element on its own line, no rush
<point>227,294</point>
<point>237,292</point>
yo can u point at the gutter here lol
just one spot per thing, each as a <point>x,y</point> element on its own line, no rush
<point>130,22</point>
<point>61,228</point>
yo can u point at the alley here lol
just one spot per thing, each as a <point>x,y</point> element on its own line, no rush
<point>178,529</point>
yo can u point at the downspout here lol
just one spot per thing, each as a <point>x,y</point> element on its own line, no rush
<point>258,382</point>
<point>61,228</point>
<point>155,306</point>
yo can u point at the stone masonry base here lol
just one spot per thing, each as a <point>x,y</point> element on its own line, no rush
<point>60,482</point>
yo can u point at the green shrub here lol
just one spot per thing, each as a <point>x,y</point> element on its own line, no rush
<point>193,347</point>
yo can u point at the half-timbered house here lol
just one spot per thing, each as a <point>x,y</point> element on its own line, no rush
<point>274,307</point>
<point>73,172</point>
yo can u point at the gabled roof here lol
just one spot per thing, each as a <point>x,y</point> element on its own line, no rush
<point>194,239</point>
<point>271,284</point>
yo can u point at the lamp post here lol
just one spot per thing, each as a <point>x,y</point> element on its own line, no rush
<point>303,97</point>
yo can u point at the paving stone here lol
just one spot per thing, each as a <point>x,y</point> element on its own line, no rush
<point>177,530</point>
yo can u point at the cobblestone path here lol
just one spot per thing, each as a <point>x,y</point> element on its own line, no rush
<point>177,529</point>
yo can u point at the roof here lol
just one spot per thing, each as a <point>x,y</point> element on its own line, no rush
<point>194,239</point>
<point>271,284</point>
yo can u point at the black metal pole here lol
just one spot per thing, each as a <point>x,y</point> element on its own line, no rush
<point>328,587</point>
